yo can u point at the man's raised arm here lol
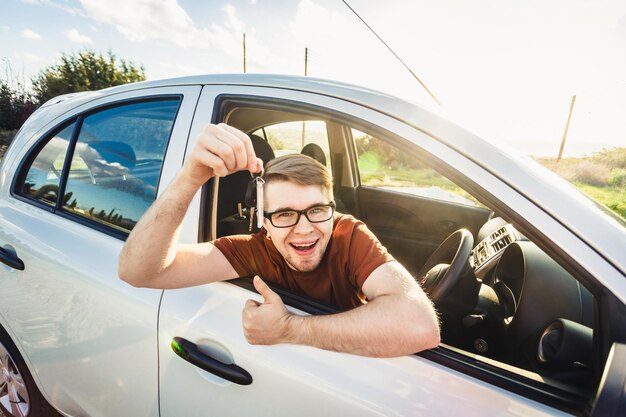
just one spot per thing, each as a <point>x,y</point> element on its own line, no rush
<point>398,320</point>
<point>151,256</point>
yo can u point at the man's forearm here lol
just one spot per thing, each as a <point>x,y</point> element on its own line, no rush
<point>389,326</point>
<point>150,247</point>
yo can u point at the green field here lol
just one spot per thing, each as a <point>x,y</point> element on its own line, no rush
<point>602,176</point>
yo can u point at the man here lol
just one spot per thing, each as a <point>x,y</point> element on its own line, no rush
<point>302,246</point>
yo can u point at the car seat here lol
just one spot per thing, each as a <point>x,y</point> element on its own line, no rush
<point>316,152</point>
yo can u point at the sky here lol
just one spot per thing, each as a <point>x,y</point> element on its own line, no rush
<point>504,69</point>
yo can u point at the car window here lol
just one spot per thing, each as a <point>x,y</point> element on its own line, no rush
<point>309,137</point>
<point>383,166</point>
<point>117,162</point>
<point>44,173</point>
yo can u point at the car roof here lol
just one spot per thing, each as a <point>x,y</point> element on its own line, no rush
<point>553,194</point>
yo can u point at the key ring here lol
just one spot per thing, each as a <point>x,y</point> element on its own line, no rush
<point>258,197</point>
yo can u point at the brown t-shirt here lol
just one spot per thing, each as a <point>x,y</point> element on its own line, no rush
<point>353,253</point>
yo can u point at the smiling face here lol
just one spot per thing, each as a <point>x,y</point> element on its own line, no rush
<point>304,244</point>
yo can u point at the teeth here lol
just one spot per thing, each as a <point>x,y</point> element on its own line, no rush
<point>302,246</point>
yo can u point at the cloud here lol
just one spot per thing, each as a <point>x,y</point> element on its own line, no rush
<point>5,29</point>
<point>29,34</point>
<point>75,36</point>
<point>146,20</point>
<point>233,21</point>
<point>166,21</point>
<point>71,10</point>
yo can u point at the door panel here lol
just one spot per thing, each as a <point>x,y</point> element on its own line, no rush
<point>88,338</point>
<point>290,380</point>
<point>412,227</point>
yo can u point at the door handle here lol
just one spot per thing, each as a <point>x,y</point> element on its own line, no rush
<point>9,257</point>
<point>189,351</point>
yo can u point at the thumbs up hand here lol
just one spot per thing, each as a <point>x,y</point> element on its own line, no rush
<point>265,323</point>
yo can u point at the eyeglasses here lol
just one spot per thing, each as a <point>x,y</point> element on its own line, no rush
<point>315,214</point>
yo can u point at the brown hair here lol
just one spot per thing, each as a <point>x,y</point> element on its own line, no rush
<point>300,169</point>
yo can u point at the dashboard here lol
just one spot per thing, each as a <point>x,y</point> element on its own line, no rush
<point>533,313</point>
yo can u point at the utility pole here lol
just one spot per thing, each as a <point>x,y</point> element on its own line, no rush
<point>306,65</point>
<point>306,61</point>
<point>569,117</point>
<point>244,53</point>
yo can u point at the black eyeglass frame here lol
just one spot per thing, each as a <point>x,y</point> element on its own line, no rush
<point>268,214</point>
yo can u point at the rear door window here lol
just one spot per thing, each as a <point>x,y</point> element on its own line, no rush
<point>43,175</point>
<point>116,163</point>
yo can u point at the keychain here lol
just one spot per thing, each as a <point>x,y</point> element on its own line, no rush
<point>259,200</point>
<point>254,199</point>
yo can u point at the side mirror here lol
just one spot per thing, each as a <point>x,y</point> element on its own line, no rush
<point>611,396</point>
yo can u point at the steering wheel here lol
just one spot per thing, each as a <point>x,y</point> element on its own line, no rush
<point>445,267</point>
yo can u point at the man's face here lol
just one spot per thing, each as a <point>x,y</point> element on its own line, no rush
<point>302,245</point>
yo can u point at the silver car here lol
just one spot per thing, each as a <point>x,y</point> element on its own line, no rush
<point>528,275</point>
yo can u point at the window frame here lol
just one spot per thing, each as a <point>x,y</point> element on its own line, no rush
<point>78,119</point>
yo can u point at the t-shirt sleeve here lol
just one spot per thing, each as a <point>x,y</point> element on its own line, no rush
<point>239,251</point>
<point>366,253</point>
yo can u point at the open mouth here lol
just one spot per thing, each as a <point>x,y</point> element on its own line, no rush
<point>304,248</point>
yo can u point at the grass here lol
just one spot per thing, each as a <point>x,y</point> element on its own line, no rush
<point>602,176</point>
<point>612,197</point>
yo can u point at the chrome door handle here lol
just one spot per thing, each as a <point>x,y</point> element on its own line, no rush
<point>189,351</point>
<point>9,257</point>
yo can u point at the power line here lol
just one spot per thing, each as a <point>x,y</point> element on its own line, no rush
<point>391,50</point>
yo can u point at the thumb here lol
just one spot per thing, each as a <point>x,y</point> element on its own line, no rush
<point>269,296</point>
<point>256,166</point>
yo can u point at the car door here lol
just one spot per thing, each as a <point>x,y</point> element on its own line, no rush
<point>88,338</point>
<point>208,368</point>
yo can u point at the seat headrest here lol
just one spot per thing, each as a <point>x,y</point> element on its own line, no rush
<point>314,151</point>
<point>262,149</point>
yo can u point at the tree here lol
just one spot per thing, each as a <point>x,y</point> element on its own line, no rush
<point>85,71</point>
<point>16,104</point>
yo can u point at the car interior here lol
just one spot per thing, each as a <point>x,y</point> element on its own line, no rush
<point>509,311</point>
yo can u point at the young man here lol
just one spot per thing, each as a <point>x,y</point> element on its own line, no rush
<point>303,246</point>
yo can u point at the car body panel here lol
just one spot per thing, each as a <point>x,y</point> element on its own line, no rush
<point>299,380</point>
